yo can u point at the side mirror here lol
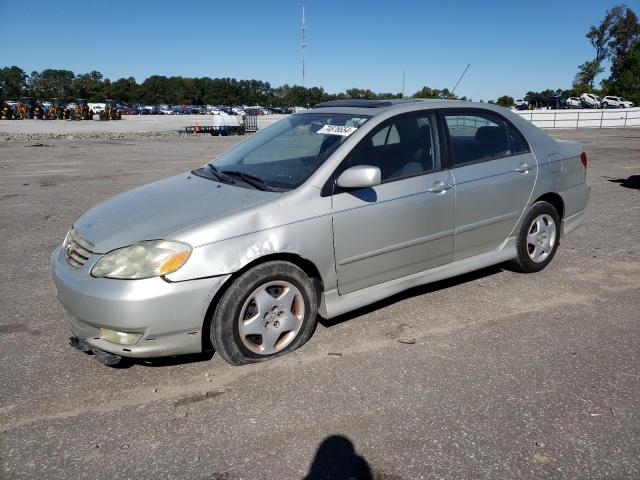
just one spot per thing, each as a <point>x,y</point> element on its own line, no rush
<point>360,176</point>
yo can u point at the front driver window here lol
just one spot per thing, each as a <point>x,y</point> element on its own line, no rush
<point>400,147</point>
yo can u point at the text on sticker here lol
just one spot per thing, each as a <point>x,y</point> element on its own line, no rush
<point>337,130</point>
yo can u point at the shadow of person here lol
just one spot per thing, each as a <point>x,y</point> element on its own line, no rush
<point>336,458</point>
<point>631,182</point>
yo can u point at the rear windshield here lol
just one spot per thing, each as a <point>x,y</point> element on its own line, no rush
<point>286,153</point>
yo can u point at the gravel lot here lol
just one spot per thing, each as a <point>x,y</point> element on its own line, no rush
<point>490,375</point>
<point>128,127</point>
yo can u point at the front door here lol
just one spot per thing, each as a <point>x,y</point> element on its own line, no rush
<point>405,224</point>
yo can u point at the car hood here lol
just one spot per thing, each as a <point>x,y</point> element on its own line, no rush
<point>159,210</point>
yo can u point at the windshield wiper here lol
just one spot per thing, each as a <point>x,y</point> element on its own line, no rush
<point>254,181</point>
<point>219,175</point>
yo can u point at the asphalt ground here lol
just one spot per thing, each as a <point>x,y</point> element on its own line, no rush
<point>494,374</point>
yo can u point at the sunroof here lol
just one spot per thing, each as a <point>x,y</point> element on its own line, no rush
<point>359,103</point>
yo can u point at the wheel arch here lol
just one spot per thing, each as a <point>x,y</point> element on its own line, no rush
<point>306,265</point>
<point>555,200</point>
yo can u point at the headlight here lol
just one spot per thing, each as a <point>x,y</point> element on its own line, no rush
<point>146,259</point>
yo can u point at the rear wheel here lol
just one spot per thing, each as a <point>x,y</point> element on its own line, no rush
<point>538,238</point>
<point>268,311</point>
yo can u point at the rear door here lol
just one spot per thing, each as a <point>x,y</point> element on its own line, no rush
<point>494,173</point>
<point>405,224</point>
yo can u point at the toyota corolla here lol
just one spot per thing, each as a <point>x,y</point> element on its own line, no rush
<point>321,213</point>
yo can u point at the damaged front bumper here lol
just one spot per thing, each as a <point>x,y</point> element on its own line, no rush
<point>169,315</point>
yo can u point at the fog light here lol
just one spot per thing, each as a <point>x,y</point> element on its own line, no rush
<point>121,338</point>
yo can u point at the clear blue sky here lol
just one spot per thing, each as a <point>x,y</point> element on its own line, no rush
<point>513,46</point>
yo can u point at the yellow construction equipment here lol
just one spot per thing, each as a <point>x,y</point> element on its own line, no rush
<point>82,111</point>
<point>28,108</point>
<point>57,110</point>
<point>5,110</point>
<point>110,111</point>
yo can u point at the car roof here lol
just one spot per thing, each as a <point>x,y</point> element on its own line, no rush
<point>376,107</point>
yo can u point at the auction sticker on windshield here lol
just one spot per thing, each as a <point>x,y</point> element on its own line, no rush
<point>337,130</point>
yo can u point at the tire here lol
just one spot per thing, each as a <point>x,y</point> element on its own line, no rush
<point>541,223</point>
<point>270,328</point>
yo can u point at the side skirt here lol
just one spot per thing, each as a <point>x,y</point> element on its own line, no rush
<point>333,304</point>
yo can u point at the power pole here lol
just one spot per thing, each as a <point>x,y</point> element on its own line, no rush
<point>304,40</point>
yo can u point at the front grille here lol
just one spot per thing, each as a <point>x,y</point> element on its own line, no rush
<point>76,249</point>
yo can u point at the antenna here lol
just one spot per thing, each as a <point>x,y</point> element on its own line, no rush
<point>403,84</point>
<point>304,40</point>
<point>465,71</point>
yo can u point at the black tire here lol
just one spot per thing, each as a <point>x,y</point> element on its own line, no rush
<point>225,335</point>
<point>523,262</point>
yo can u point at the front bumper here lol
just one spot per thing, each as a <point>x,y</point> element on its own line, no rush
<point>170,315</point>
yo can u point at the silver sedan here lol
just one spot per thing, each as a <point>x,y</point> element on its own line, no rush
<point>323,212</point>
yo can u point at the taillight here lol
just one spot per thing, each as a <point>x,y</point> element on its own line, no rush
<point>583,159</point>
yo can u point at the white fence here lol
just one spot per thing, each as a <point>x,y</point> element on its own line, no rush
<point>622,117</point>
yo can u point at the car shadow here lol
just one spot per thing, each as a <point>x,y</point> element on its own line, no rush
<point>631,182</point>
<point>128,362</point>
<point>179,360</point>
<point>413,292</point>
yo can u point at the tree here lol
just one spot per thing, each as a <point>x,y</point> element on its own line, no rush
<point>613,40</point>
<point>625,81</point>
<point>505,101</point>
<point>427,92</point>
<point>51,83</point>
<point>13,82</point>
<point>89,86</point>
<point>586,75</point>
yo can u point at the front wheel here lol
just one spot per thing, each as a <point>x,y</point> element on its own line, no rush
<point>538,238</point>
<point>268,311</point>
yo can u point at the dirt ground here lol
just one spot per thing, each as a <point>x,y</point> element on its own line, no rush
<point>494,374</point>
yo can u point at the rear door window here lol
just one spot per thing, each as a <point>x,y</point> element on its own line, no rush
<point>477,137</point>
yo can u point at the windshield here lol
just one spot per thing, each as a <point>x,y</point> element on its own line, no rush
<point>284,155</point>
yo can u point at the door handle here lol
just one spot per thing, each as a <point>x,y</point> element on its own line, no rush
<point>523,168</point>
<point>439,187</point>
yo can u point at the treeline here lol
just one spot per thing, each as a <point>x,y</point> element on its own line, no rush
<point>54,83</point>
<point>65,84</point>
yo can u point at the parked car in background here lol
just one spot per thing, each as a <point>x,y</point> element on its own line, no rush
<point>615,102</point>
<point>521,104</point>
<point>590,100</point>
<point>129,111</point>
<point>321,213</point>
<point>97,107</point>
<point>573,102</point>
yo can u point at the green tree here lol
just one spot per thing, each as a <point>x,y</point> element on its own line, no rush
<point>505,101</point>
<point>89,86</point>
<point>612,40</point>
<point>51,83</point>
<point>625,81</point>
<point>587,73</point>
<point>428,92</point>
<point>13,81</point>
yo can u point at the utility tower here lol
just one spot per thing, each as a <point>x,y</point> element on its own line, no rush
<point>304,40</point>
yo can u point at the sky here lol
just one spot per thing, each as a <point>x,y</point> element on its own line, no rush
<point>512,46</point>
